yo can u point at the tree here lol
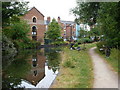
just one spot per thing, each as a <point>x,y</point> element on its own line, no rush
<point>108,21</point>
<point>82,33</point>
<point>13,28</point>
<point>86,12</point>
<point>53,32</point>
<point>12,10</point>
<point>105,15</point>
<point>17,30</point>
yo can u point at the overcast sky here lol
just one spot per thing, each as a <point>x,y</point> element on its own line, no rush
<point>54,8</point>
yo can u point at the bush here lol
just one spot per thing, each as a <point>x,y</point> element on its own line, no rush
<point>75,45</point>
<point>115,54</point>
<point>17,30</point>
<point>87,40</point>
<point>114,58</point>
<point>101,46</point>
<point>28,45</point>
<point>84,40</point>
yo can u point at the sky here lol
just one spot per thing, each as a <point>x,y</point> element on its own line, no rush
<point>54,8</point>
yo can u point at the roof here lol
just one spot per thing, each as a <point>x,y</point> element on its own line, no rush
<point>37,10</point>
<point>67,22</point>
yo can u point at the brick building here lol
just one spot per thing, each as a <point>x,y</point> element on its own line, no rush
<point>36,21</point>
<point>68,28</point>
<point>68,31</point>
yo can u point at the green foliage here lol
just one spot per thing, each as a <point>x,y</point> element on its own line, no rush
<point>82,33</point>
<point>17,31</point>
<point>108,23</point>
<point>84,40</point>
<point>16,69</point>
<point>26,45</point>
<point>76,65</point>
<point>101,45</point>
<point>86,12</point>
<point>68,64</point>
<point>114,58</point>
<point>53,57</point>
<point>115,54</point>
<point>7,46</point>
<point>75,45</point>
<point>94,32</point>
<point>105,16</point>
<point>53,32</point>
<point>58,42</point>
<point>12,10</point>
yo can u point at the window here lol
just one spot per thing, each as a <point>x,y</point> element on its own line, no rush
<point>35,73</point>
<point>34,60</point>
<point>34,38</point>
<point>64,32</point>
<point>34,20</point>
<point>34,33</point>
<point>34,30</point>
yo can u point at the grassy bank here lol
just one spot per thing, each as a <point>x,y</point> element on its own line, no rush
<point>113,59</point>
<point>76,69</point>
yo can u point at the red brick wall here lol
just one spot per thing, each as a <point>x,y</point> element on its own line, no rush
<point>68,30</point>
<point>39,23</point>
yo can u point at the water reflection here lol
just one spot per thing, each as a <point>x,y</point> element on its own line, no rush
<point>53,58</point>
<point>15,70</point>
<point>32,69</point>
<point>37,71</point>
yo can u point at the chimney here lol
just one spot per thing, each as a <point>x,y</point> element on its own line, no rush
<point>58,19</point>
<point>48,20</point>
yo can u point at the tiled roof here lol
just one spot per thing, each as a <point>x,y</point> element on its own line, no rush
<point>37,10</point>
<point>67,22</point>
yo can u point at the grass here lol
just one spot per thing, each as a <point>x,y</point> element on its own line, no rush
<point>113,59</point>
<point>76,69</point>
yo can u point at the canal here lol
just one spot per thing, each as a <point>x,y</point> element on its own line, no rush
<point>31,68</point>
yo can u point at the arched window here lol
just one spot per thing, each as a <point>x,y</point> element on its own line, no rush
<point>34,20</point>
<point>34,30</point>
<point>35,73</point>
<point>34,33</point>
<point>34,60</point>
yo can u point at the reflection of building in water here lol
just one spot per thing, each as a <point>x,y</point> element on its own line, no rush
<point>37,72</point>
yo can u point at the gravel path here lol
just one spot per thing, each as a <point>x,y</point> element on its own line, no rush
<point>104,77</point>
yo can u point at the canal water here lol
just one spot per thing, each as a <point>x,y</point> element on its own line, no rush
<point>31,68</point>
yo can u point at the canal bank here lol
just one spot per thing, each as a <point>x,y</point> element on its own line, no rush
<point>76,69</point>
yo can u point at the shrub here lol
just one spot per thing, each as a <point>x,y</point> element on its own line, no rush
<point>115,54</point>
<point>28,45</point>
<point>114,59</point>
<point>84,40</point>
<point>75,45</point>
<point>68,64</point>
<point>57,42</point>
<point>101,46</point>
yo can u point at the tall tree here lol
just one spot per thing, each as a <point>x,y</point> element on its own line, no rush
<point>17,30</point>
<point>86,12</point>
<point>105,15</point>
<point>12,10</point>
<point>53,32</point>
<point>108,21</point>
